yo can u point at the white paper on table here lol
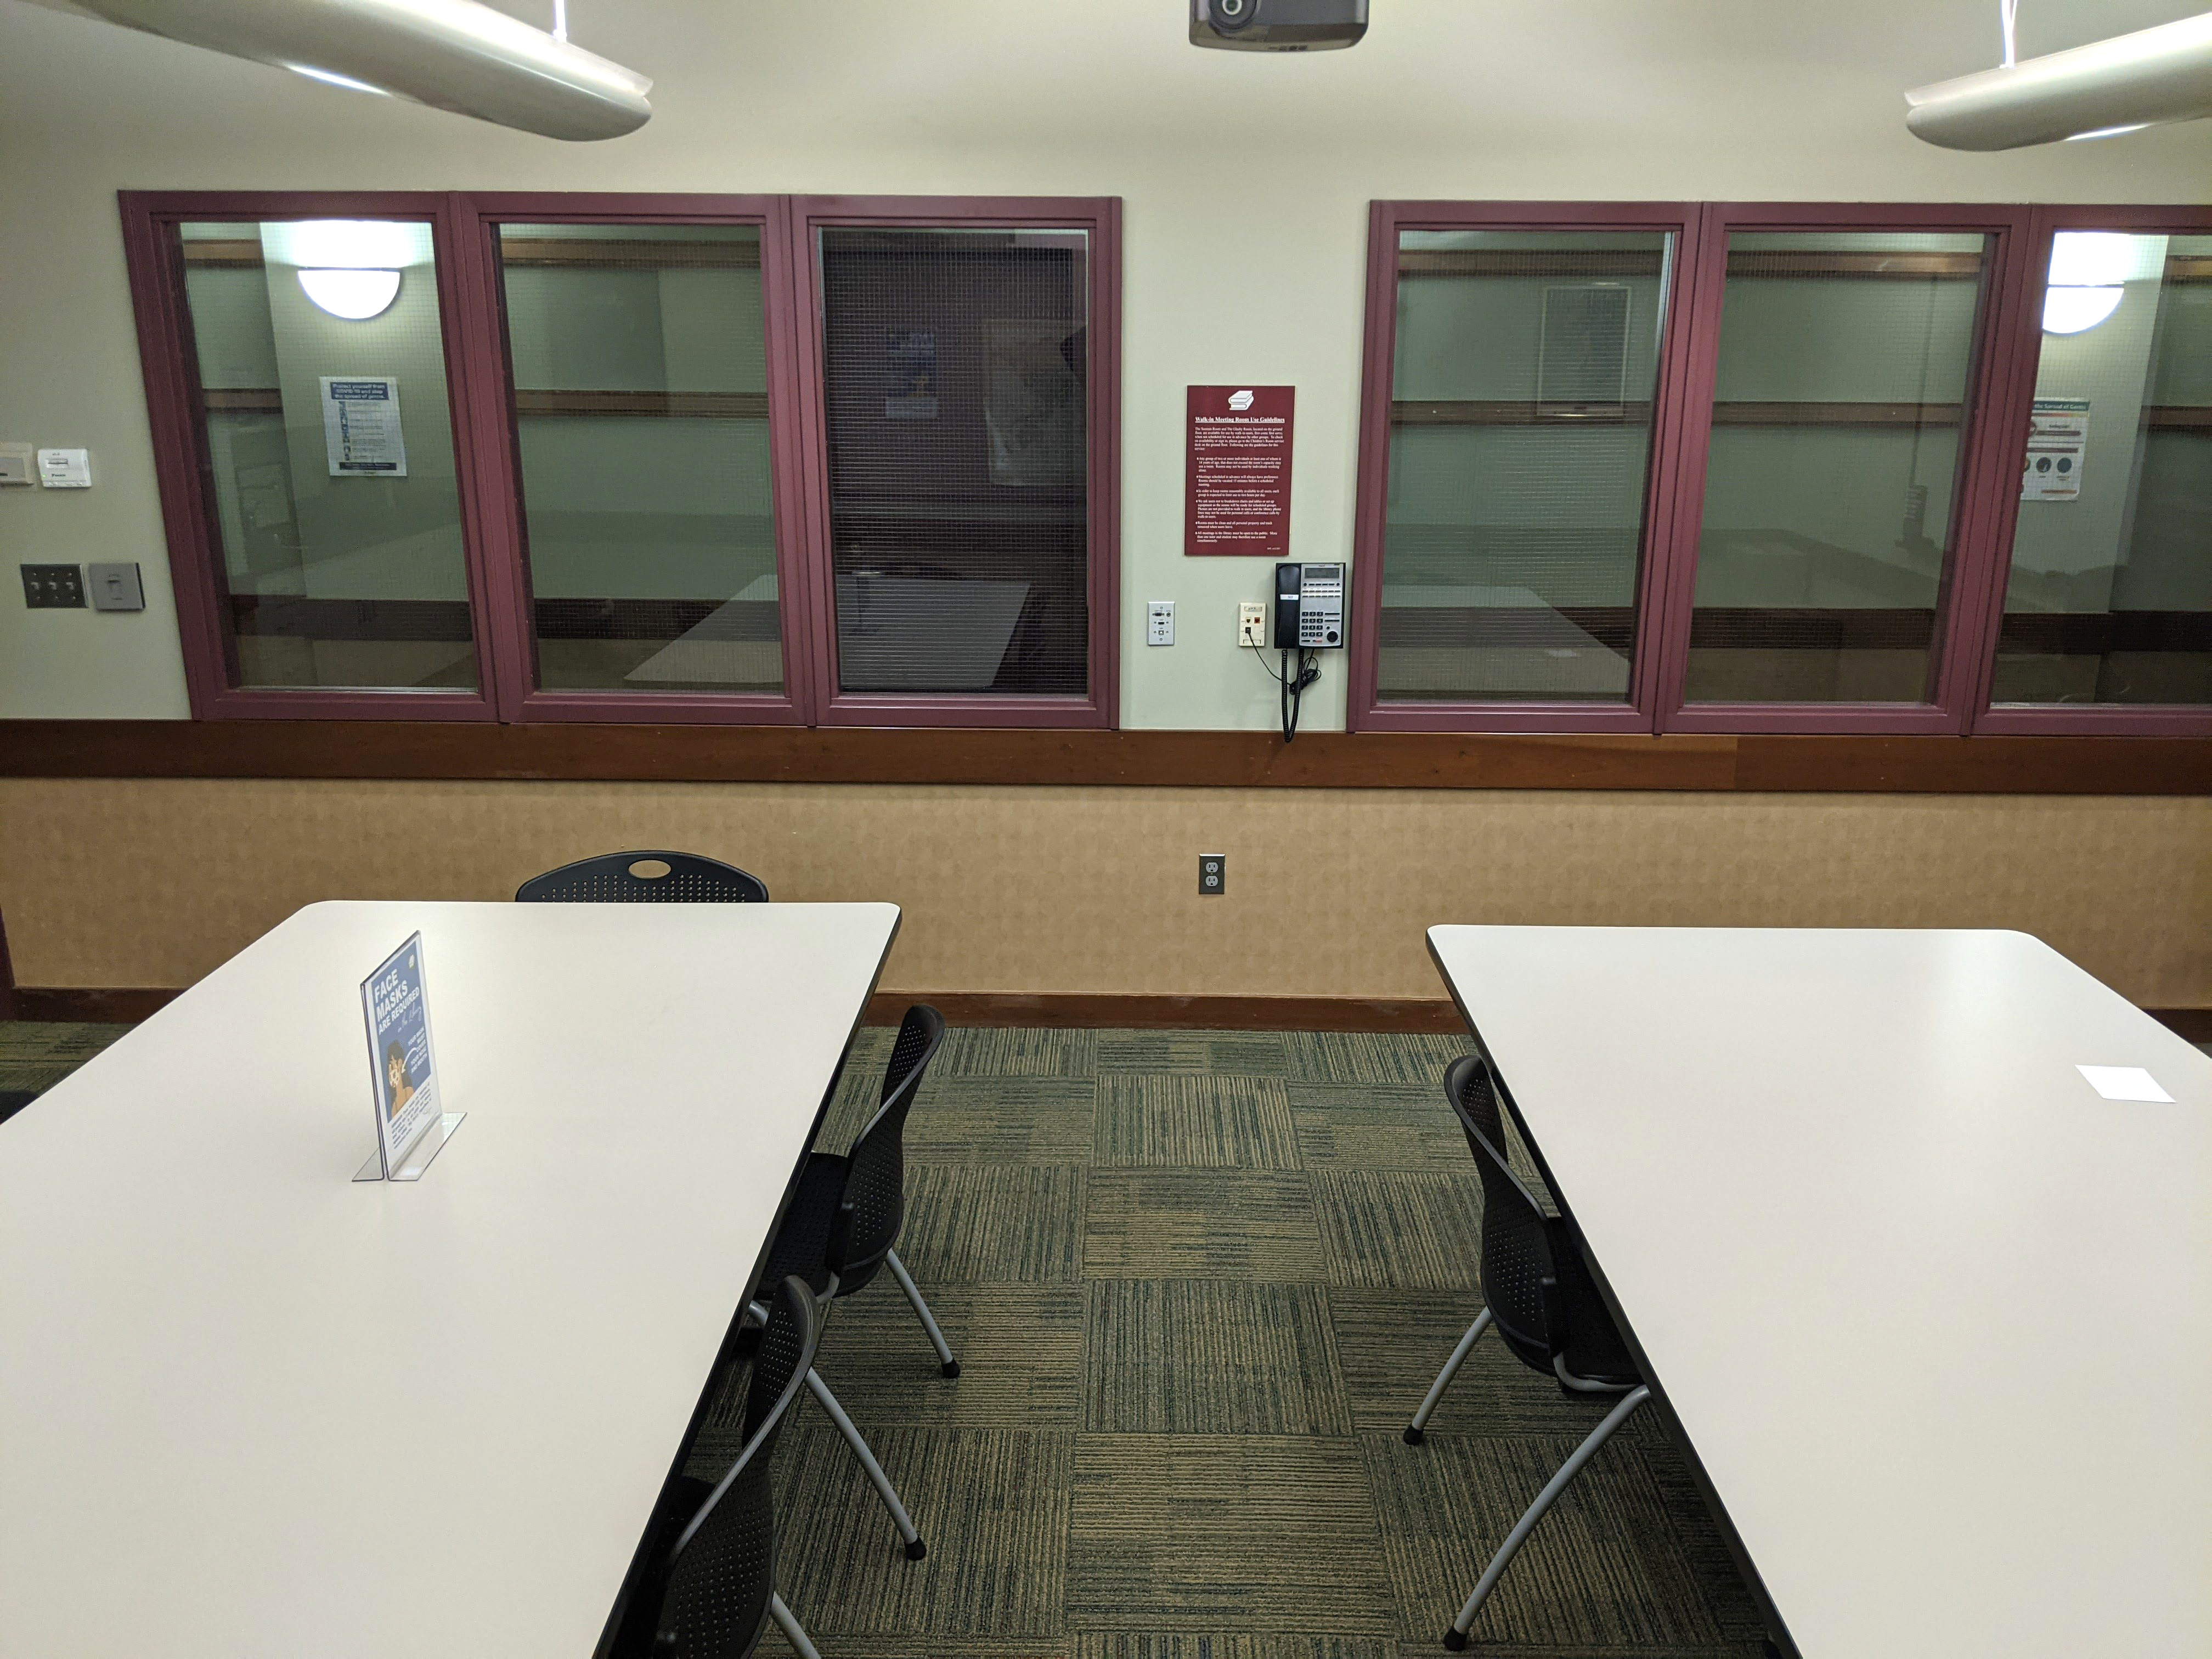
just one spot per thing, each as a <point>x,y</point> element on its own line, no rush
<point>2125,1083</point>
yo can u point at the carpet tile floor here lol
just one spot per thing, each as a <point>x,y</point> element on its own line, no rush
<point>1197,1281</point>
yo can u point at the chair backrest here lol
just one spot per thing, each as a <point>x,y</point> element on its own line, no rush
<point>874,1203</point>
<point>1539,1291</point>
<point>1516,1250</point>
<point>644,878</point>
<point>721,1571</point>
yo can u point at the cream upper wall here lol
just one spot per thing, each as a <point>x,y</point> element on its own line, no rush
<point>1244,179</point>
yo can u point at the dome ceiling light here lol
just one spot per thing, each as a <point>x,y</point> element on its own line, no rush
<point>451,54</point>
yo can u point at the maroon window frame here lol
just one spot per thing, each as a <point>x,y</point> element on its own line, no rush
<point>505,537</point>
<point>1366,711</point>
<point>1991,449</point>
<point>154,256</point>
<point>2024,353</point>
<point>464,231</point>
<point>1976,503</point>
<point>1101,216</point>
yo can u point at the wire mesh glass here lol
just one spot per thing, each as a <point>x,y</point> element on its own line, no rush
<point>1521,415</point>
<point>321,393</point>
<point>2109,600</point>
<point>637,360</point>
<point>1845,361</point>
<point>956,364</point>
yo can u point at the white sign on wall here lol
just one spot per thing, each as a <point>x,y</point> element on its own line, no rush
<point>2057,433</point>
<point>360,427</point>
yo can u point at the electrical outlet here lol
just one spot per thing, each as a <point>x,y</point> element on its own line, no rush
<point>1213,872</point>
<point>1251,624</point>
<point>1159,622</point>
<point>53,587</point>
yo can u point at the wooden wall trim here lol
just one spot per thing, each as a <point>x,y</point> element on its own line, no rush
<point>574,751</point>
<point>981,1008</point>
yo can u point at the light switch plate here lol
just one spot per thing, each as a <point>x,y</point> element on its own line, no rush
<point>65,469</point>
<point>115,587</point>
<point>14,463</point>
<point>1159,622</point>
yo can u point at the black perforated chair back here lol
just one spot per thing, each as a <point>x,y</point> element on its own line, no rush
<point>721,1571</point>
<point>874,1201</point>
<point>1539,1291</point>
<point>1516,1253</point>
<point>644,878</point>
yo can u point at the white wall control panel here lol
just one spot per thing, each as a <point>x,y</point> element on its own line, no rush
<point>1251,624</point>
<point>1159,622</point>
<point>14,463</point>
<point>65,469</point>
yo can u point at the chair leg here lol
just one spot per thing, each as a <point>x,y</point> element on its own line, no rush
<point>916,1549</point>
<point>946,1361</point>
<point>1455,1638</point>
<point>790,1626</point>
<point>1443,1378</point>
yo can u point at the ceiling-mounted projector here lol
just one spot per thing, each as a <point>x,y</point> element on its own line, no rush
<point>450,54</point>
<point>1277,24</point>
<point>2131,80</point>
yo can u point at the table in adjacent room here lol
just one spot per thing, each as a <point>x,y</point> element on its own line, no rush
<point>250,1407</point>
<point>1932,1316</point>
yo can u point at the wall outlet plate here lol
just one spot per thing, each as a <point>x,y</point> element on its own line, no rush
<point>1252,624</point>
<point>1213,872</point>
<point>1159,622</point>
<point>53,587</point>
<point>14,463</point>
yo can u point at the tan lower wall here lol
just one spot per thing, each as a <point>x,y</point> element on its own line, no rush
<point>112,883</point>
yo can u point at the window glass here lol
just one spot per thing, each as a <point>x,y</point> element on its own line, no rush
<point>1521,406</point>
<point>322,395</point>
<point>638,372</point>
<point>955,363</point>
<point>2110,595</point>
<point>1845,359</point>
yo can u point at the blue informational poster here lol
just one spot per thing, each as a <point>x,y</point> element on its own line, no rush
<point>398,1009</point>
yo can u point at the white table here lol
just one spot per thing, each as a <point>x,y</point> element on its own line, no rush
<point>248,1407</point>
<point>1934,1318</point>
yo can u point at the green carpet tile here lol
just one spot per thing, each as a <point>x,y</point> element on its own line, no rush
<point>1197,1281</point>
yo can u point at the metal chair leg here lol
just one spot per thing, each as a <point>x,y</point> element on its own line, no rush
<point>916,1549</point>
<point>1455,1638</point>
<point>790,1627</point>
<point>1443,1378</point>
<point>946,1361</point>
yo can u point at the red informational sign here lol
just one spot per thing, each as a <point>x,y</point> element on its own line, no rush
<point>1236,489</point>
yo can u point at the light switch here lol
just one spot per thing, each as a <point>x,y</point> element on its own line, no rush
<point>65,469</point>
<point>116,587</point>
<point>14,463</point>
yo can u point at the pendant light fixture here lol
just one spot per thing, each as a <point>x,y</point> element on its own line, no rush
<point>2098,91</point>
<point>450,54</point>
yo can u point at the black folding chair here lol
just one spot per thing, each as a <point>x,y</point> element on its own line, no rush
<point>716,1580</point>
<point>842,1226</point>
<point>1544,1303</point>
<point>644,878</point>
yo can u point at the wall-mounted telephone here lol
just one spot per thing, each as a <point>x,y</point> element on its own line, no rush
<point>1308,606</point>
<point>1308,617</point>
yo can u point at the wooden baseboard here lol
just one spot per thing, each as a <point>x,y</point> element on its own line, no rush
<point>1203,1013</point>
<point>1199,1014</point>
<point>577,751</point>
